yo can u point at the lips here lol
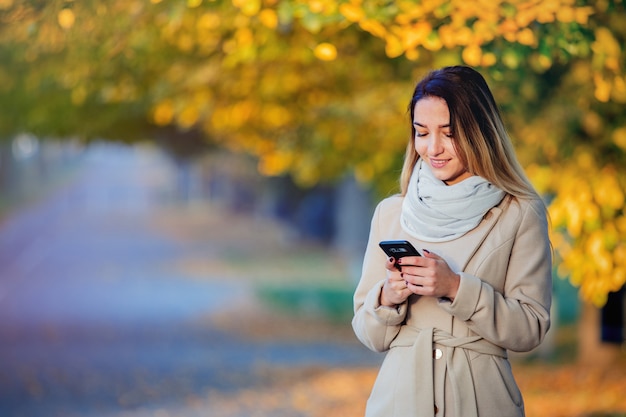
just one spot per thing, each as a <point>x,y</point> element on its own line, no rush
<point>438,163</point>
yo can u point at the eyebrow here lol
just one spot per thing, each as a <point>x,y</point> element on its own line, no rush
<point>424,126</point>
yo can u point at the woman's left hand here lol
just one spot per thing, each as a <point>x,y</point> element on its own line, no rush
<point>429,275</point>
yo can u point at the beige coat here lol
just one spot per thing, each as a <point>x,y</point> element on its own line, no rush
<point>449,358</point>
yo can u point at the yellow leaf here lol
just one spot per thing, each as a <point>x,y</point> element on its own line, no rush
<point>575,223</point>
<point>543,62</point>
<point>526,37</point>
<point>316,6</point>
<point>163,113</point>
<point>619,89</point>
<point>586,161</point>
<point>185,42</point>
<point>489,59</point>
<point>364,172</point>
<point>607,191</point>
<point>193,3</point>
<point>592,123</point>
<point>557,214</point>
<point>565,14</point>
<point>352,12</point>
<point>188,117</point>
<point>508,26</point>
<point>605,42</point>
<point>523,18</point>
<point>325,51</point>
<point>447,36</point>
<point>209,21</point>
<point>6,4</point>
<point>619,137</point>
<point>269,18</point>
<point>412,54</point>
<point>604,262</point>
<point>618,279</point>
<point>341,140</point>
<point>472,55</point>
<point>307,172</point>
<point>374,27</point>
<point>463,36</point>
<point>432,42</point>
<point>603,88</point>
<point>582,14</point>
<point>244,37</point>
<point>484,31</point>
<point>540,176</point>
<point>79,94</point>
<point>620,256</point>
<point>595,244</point>
<point>545,16</point>
<point>415,35</point>
<point>393,47</point>
<point>248,7</point>
<point>66,18</point>
<point>620,223</point>
<point>275,115</point>
<point>241,113</point>
<point>275,163</point>
<point>598,298</point>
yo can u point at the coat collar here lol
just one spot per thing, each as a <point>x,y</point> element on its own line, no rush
<point>460,251</point>
<point>467,246</point>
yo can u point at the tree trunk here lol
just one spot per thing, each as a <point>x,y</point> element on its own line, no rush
<point>592,351</point>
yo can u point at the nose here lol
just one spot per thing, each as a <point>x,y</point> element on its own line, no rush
<point>435,145</point>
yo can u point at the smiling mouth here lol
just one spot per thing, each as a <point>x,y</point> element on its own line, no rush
<point>438,163</point>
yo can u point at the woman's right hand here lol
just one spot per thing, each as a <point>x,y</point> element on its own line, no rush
<point>395,290</point>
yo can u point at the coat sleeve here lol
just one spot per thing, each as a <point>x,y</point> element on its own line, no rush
<point>375,325</point>
<point>517,318</point>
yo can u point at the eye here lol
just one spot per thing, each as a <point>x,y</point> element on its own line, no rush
<point>420,134</point>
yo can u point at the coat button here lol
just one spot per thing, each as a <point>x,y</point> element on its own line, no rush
<point>437,353</point>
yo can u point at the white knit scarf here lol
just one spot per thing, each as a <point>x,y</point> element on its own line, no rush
<point>435,212</point>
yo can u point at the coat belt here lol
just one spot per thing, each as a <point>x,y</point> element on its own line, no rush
<point>417,389</point>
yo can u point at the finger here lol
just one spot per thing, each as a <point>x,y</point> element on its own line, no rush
<point>413,280</point>
<point>418,269</point>
<point>431,255</point>
<point>391,264</point>
<point>409,260</point>
<point>396,290</point>
<point>395,283</point>
<point>410,285</point>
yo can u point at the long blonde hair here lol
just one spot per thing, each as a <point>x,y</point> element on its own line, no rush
<point>481,141</point>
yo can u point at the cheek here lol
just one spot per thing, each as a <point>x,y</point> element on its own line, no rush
<point>421,147</point>
<point>451,150</point>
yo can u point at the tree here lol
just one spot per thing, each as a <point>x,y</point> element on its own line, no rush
<point>319,88</point>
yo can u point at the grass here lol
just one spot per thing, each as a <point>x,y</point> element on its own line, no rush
<point>326,302</point>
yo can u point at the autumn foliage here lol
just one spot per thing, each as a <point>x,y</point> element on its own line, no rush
<point>317,89</point>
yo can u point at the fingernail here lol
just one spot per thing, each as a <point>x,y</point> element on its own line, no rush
<point>391,259</point>
<point>426,250</point>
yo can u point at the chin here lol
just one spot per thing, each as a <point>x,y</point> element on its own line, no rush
<point>442,176</point>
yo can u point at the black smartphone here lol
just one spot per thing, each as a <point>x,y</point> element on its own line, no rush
<point>398,248</point>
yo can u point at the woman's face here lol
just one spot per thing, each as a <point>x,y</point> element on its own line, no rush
<point>434,142</point>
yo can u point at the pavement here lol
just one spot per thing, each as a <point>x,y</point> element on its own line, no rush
<point>117,299</point>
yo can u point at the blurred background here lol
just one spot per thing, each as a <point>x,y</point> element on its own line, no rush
<point>186,189</point>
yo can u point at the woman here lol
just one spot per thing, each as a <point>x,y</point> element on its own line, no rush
<point>483,283</point>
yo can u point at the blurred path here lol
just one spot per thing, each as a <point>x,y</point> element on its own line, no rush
<point>96,315</point>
